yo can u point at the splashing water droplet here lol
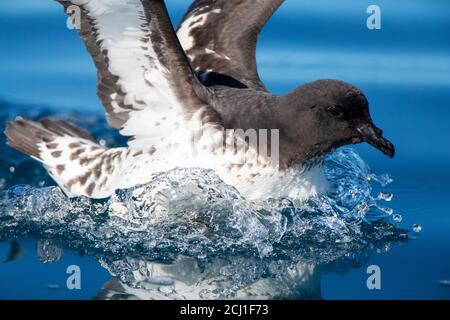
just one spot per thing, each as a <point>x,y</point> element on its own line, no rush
<point>398,218</point>
<point>383,179</point>
<point>417,228</point>
<point>12,169</point>
<point>386,196</point>
<point>193,213</point>
<point>102,142</point>
<point>388,211</point>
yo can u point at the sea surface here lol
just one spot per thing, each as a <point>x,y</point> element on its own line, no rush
<point>188,235</point>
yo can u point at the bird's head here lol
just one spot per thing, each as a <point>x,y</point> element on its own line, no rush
<point>330,114</point>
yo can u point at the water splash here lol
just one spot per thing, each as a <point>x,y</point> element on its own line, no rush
<point>192,212</point>
<point>417,228</point>
<point>188,215</point>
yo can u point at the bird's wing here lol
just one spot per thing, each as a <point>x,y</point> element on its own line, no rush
<point>145,81</point>
<point>220,36</point>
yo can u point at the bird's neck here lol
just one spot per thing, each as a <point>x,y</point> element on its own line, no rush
<point>253,110</point>
<point>245,109</point>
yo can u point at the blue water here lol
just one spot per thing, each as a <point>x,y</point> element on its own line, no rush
<point>404,69</point>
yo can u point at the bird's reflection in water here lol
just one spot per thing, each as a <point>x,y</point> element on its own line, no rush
<point>284,275</point>
<point>293,273</point>
<point>231,277</point>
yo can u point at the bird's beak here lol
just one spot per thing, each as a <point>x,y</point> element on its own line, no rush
<point>374,136</point>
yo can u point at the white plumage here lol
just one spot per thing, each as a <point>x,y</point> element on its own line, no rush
<point>149,93</point>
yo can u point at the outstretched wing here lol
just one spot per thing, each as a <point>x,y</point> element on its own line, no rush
<point>219,37</point>
<point>144,79</point>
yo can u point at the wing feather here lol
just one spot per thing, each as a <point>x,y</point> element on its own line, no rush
<point>145,81</point>
<point>220,36</point>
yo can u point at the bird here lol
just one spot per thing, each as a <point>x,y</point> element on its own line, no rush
<point>188,99</point>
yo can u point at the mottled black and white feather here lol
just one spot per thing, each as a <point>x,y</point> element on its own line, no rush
<point>144,80</point>
<point>220,37</point>
<point>147,87</point>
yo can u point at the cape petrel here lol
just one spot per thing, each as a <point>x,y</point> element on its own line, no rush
<point>165,90</point>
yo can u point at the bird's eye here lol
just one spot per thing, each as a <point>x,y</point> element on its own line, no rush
<point>336,110</point>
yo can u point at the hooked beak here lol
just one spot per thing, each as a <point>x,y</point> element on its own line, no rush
<point>374,136</point>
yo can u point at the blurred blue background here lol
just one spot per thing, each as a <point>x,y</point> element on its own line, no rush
<point>404,69</point>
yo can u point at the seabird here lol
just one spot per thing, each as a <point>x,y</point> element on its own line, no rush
<point>179,95</point>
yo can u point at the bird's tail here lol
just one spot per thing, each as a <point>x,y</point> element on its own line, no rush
<point>72,157</point>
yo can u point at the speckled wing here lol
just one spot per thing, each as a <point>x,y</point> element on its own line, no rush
<point>148,89</point>
<point>144,79</point>
<point>220,36</point>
